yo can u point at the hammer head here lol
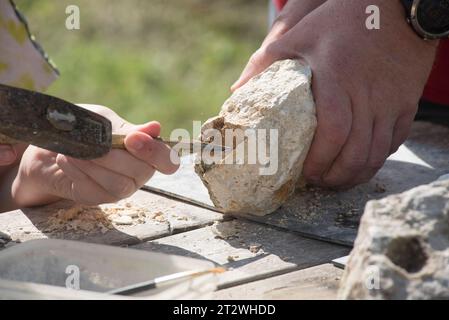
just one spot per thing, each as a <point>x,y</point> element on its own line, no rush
<point>53,124</point>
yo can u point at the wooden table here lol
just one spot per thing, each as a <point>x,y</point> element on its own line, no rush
<point>264,260</point>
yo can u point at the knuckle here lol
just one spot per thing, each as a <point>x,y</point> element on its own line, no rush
<point>266,53</point>
<point>311,170</point>
<point>354,164</point>
<point>376,163</point>
<point>337,137</point>
<point>334,131</point>
<point>61,186</point>
<point>123,188</point>
<point>272,51</point>
<point>281,22</point>
<point>256,56</point>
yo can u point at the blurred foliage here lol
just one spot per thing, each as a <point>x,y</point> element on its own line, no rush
<point>166,60</point>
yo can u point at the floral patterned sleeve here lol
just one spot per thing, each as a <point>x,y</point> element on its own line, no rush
<point>23,63</point>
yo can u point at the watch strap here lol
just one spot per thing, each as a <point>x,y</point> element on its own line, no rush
<point>407,5</point>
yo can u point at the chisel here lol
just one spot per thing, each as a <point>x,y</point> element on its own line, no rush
<point>57,125</point>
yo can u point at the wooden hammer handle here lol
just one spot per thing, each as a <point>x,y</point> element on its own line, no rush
<point>118,142</point>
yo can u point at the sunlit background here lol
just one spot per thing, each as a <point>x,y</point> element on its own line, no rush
<point>166,60</point>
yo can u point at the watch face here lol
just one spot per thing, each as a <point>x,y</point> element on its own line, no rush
<point>433,16</point>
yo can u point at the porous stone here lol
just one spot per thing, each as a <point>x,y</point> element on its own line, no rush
<point>278,99</point>
<point>402,249</point>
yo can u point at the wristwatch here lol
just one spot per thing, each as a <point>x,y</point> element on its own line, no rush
<point>429,18</point>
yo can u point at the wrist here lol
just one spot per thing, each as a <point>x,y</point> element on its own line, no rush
<point>28,190</point>
<point>393,21</point>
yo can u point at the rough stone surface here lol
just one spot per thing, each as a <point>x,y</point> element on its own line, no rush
<point>279,98</point>
<point>402,249</point>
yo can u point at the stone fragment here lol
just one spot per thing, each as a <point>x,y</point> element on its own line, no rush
<point>123,220</point>
<point>402,249</point>
<point>278,99</point>
<point>255,247</point>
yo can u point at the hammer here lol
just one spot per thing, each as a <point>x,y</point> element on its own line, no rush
<point>57,125</point>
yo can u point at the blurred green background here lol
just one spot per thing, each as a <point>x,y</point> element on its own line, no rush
<point>166,60</point>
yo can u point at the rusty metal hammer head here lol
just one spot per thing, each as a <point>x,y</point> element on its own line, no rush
<point>53,124</point>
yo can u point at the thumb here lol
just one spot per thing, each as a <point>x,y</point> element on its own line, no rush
<point>7,155</point>
<point>262,59</point>
<point>152,128</point>
<point>275,47</point>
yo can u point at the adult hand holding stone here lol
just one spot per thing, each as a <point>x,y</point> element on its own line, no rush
<point>366,84</point>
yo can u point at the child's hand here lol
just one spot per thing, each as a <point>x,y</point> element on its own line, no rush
<point>7,155</point>
<point>45,176</point>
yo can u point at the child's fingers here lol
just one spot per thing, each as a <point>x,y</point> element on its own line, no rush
<point>153,128</point>
<point>122,162</point>
<point>117,185</point>
<point>7,155</point>
<point>153,152</point>
<point>139,143</point>
<point>83,189</point>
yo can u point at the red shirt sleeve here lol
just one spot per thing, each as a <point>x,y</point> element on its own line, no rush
<point>437,88</point>
<point>279,4</point>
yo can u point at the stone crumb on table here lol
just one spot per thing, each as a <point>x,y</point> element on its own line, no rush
<point>159,217</point>
<point>255,247</point>
<point>102,218</point>
<point>225,231</point>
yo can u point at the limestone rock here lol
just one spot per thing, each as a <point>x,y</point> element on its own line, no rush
<point>402,249</point>
<point>279,99</point>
